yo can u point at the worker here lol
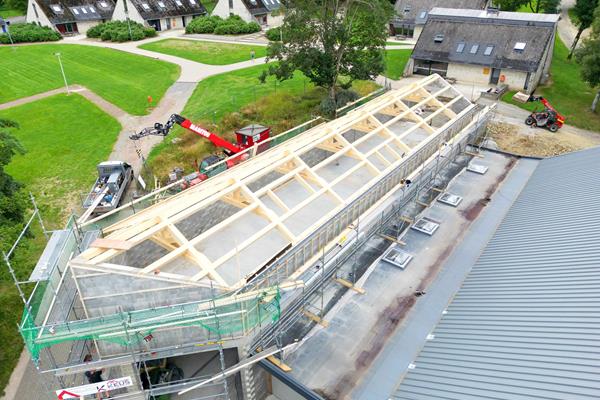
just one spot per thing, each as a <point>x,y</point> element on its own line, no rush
<point>94,375</point>
<point>252,55</point>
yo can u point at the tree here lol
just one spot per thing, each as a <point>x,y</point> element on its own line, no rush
<point>535,6</point>
<point>584,10</point>
<point>328,39</point>
<point>20,5</point>
<point>11,206</point>
<point>588,55</point>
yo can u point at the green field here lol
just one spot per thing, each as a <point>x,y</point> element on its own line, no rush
<point>7,12</point>
<point>206,52</point>
<point>242,100</point>
<point>65,137</point>
<point>570,95</point>
<point>396,61</point>
<point>123,79</point>
<point>399,43</point>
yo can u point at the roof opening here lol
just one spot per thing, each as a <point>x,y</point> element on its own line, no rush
<point>179,3</point>
<point>83,10</point>
<point>75,11</point>
<point>488,50</point>
<point>92,9</point>
<point>439,38</point>
<point>145,6</point>
<point>193,2</point>
<point>520,46</point>
<point>474,49</point>
<point>423,14</point>
<point>406,8</point>
<point>56,8</point>
<point>161,4</point>
<point>103,4</point>
<point>460,48</point>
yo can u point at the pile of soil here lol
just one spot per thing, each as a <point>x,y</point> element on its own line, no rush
<point>536,142</point>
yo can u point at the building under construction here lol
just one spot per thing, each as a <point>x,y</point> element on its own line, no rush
<point>171,291</point>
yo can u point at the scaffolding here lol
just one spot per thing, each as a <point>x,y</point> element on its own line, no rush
<point>400,141</point>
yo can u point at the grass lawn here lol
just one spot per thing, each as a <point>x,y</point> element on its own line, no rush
<point>570,95</point>
<point>7,12</point>
<point>206,52</point>
<point>399,43</point>
<point>243,100</point>
<point>396,61</point>
<point>65,137</point>
<point>123,79</point>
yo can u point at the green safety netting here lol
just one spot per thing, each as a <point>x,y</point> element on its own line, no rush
<point>227,316</point>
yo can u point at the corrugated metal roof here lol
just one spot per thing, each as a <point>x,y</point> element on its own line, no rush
<point>526,322</point>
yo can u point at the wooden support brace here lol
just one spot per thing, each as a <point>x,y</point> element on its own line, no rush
<point>278,363</point>
<point>111,244</point>
<point>391,239</point>
<point>438,190</point>
<point>422,203</point>
<point>349,285</point>
<point>470,153</point>
<point>316,318</point>
<point>406,219</point>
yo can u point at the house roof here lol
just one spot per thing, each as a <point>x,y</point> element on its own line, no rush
<point>62,11</point>
<point>525,323</point>
<point>156,9</point>
<point>502,35</point>
<point>411,11</point>
<point>256,7</point>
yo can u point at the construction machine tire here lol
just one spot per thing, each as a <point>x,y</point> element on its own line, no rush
<point>553,128</point>
<point>530,120</point>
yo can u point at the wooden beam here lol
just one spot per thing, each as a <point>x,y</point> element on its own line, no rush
<point>349,285</point>
<point>392,239</point>
<point>279,364</point>
<point>111,244</point>
<point>315,318</point>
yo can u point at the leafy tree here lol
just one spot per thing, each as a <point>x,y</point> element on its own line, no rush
<point>584,10</point>
<point>535,6</point>
<point>588,55</point>
<point>328,39</point>
<point>11,206</point>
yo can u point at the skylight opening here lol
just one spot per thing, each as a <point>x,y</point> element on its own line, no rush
<point>439,38</point>
<point>179,3</point>
<point>193,2</point>
<point>423,14</point>
<point>488,50</point>
<point>145,6</point>
<point>520,46</point>
<point>460,48</point>
<point>406,9</point>
<point>75,11</point>
<point>83,10</point>
<point>92,9</point>
<point>103,4</point>
<point>474,49</point>
<point>56,8</point>
<point>161,4</point>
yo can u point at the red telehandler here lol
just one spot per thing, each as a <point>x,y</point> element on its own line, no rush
<point>549,118</point>
<point>246,138</point>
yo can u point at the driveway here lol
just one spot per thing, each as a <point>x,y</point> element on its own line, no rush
<point>566,30</point>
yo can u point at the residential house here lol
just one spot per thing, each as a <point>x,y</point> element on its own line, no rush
<point>486,47</point>
<point>69,16</point>
<point>412,14</point>
<point>159,14</point>
<point>265,12</point>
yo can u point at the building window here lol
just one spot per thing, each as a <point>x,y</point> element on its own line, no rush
<point>145,6</point>
<point>406,9</point>
<point>75,11</point>
<point>83,10</point>
<point>161,4</point>
<point>92,9</point>
<point>423,14</point>
<point>179,3</point>
<point>56,8</point>
<point>488,50</point>
<point>460,48</point>
<point>519,47</point>
<point>439,38</point>
<point>103,4</point>
<point>193,2</point>
<point>474,49</point>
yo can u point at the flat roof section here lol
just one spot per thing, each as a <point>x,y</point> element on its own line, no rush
<point>276,199</point>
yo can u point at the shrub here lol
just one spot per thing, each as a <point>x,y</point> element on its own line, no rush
<point>234,25</point>
<point>21,33</point>
<point>274,34</point>
<point>118,31</point>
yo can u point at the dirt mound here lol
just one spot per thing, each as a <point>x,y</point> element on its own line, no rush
<point>536,142</point>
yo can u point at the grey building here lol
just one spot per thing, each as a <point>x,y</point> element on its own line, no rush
<point>160,14</point>
<point>411,15</point>
<point>525,323</point>
<point>265,12</point>
<point>69,16</point>
<point>486,47</point>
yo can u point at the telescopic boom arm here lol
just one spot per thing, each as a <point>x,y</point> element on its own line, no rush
<point>163,130</point>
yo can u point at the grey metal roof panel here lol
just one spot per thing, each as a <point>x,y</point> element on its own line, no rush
<point>526,322</point>
<point>416,7</point>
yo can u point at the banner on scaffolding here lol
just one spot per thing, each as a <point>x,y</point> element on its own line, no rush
<point>100,387</point>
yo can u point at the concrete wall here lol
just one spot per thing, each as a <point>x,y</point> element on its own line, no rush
<point>134,15</point>
<point>481,75</point>
<point>82,27</point>
<point>417,32</point>
<point>40,19</point>
<point>223,11</point>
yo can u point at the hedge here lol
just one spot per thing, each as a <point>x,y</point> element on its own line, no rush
<point>234,25</point>
<point>118,31</point>
<point>32,32</point>
<point>274,34</point>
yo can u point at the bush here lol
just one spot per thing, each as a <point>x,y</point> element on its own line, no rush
<point>22,33</point>
<point>234,25</point>
<point>274,34</point>
<point>118,31</point>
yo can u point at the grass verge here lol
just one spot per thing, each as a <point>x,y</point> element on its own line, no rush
<point>65,137</point>
<point>123,79</point>
<point>8,12</point>
<point>244,100</point>
<point>567,92</point>
<point>396,61</point>
<point>212,53</point>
